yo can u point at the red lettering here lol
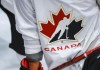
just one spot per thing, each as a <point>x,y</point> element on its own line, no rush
<point>59,48</point>
<point>46,49</point>
<point>66,47</point>
<point>53,49</point>
<point>73,45</point>
<point>78,44</point>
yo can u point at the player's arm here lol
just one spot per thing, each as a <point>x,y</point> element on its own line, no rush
<point>27,26</point>
<point>33,65</point>
<point>8,4</point>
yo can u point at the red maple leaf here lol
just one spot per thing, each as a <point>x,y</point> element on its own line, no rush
<point>48,28</point>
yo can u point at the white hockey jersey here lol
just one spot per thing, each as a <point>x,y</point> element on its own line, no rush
<point>4,30</point>
<point>62,29</point>
<point>8,4</point>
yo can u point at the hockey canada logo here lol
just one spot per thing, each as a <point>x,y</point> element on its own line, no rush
<point>63,27</point>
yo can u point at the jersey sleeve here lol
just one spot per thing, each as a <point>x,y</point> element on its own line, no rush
<point>8,4</point>
<point>26,25</point>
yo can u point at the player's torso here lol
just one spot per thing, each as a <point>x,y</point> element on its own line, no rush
<point>64,25</point>
<point>4,29</point>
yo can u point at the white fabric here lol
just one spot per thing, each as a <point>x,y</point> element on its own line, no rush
<point>8,4</point>
<point>8,59</point>
<point>31,15</point>
<point>4,30</point>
